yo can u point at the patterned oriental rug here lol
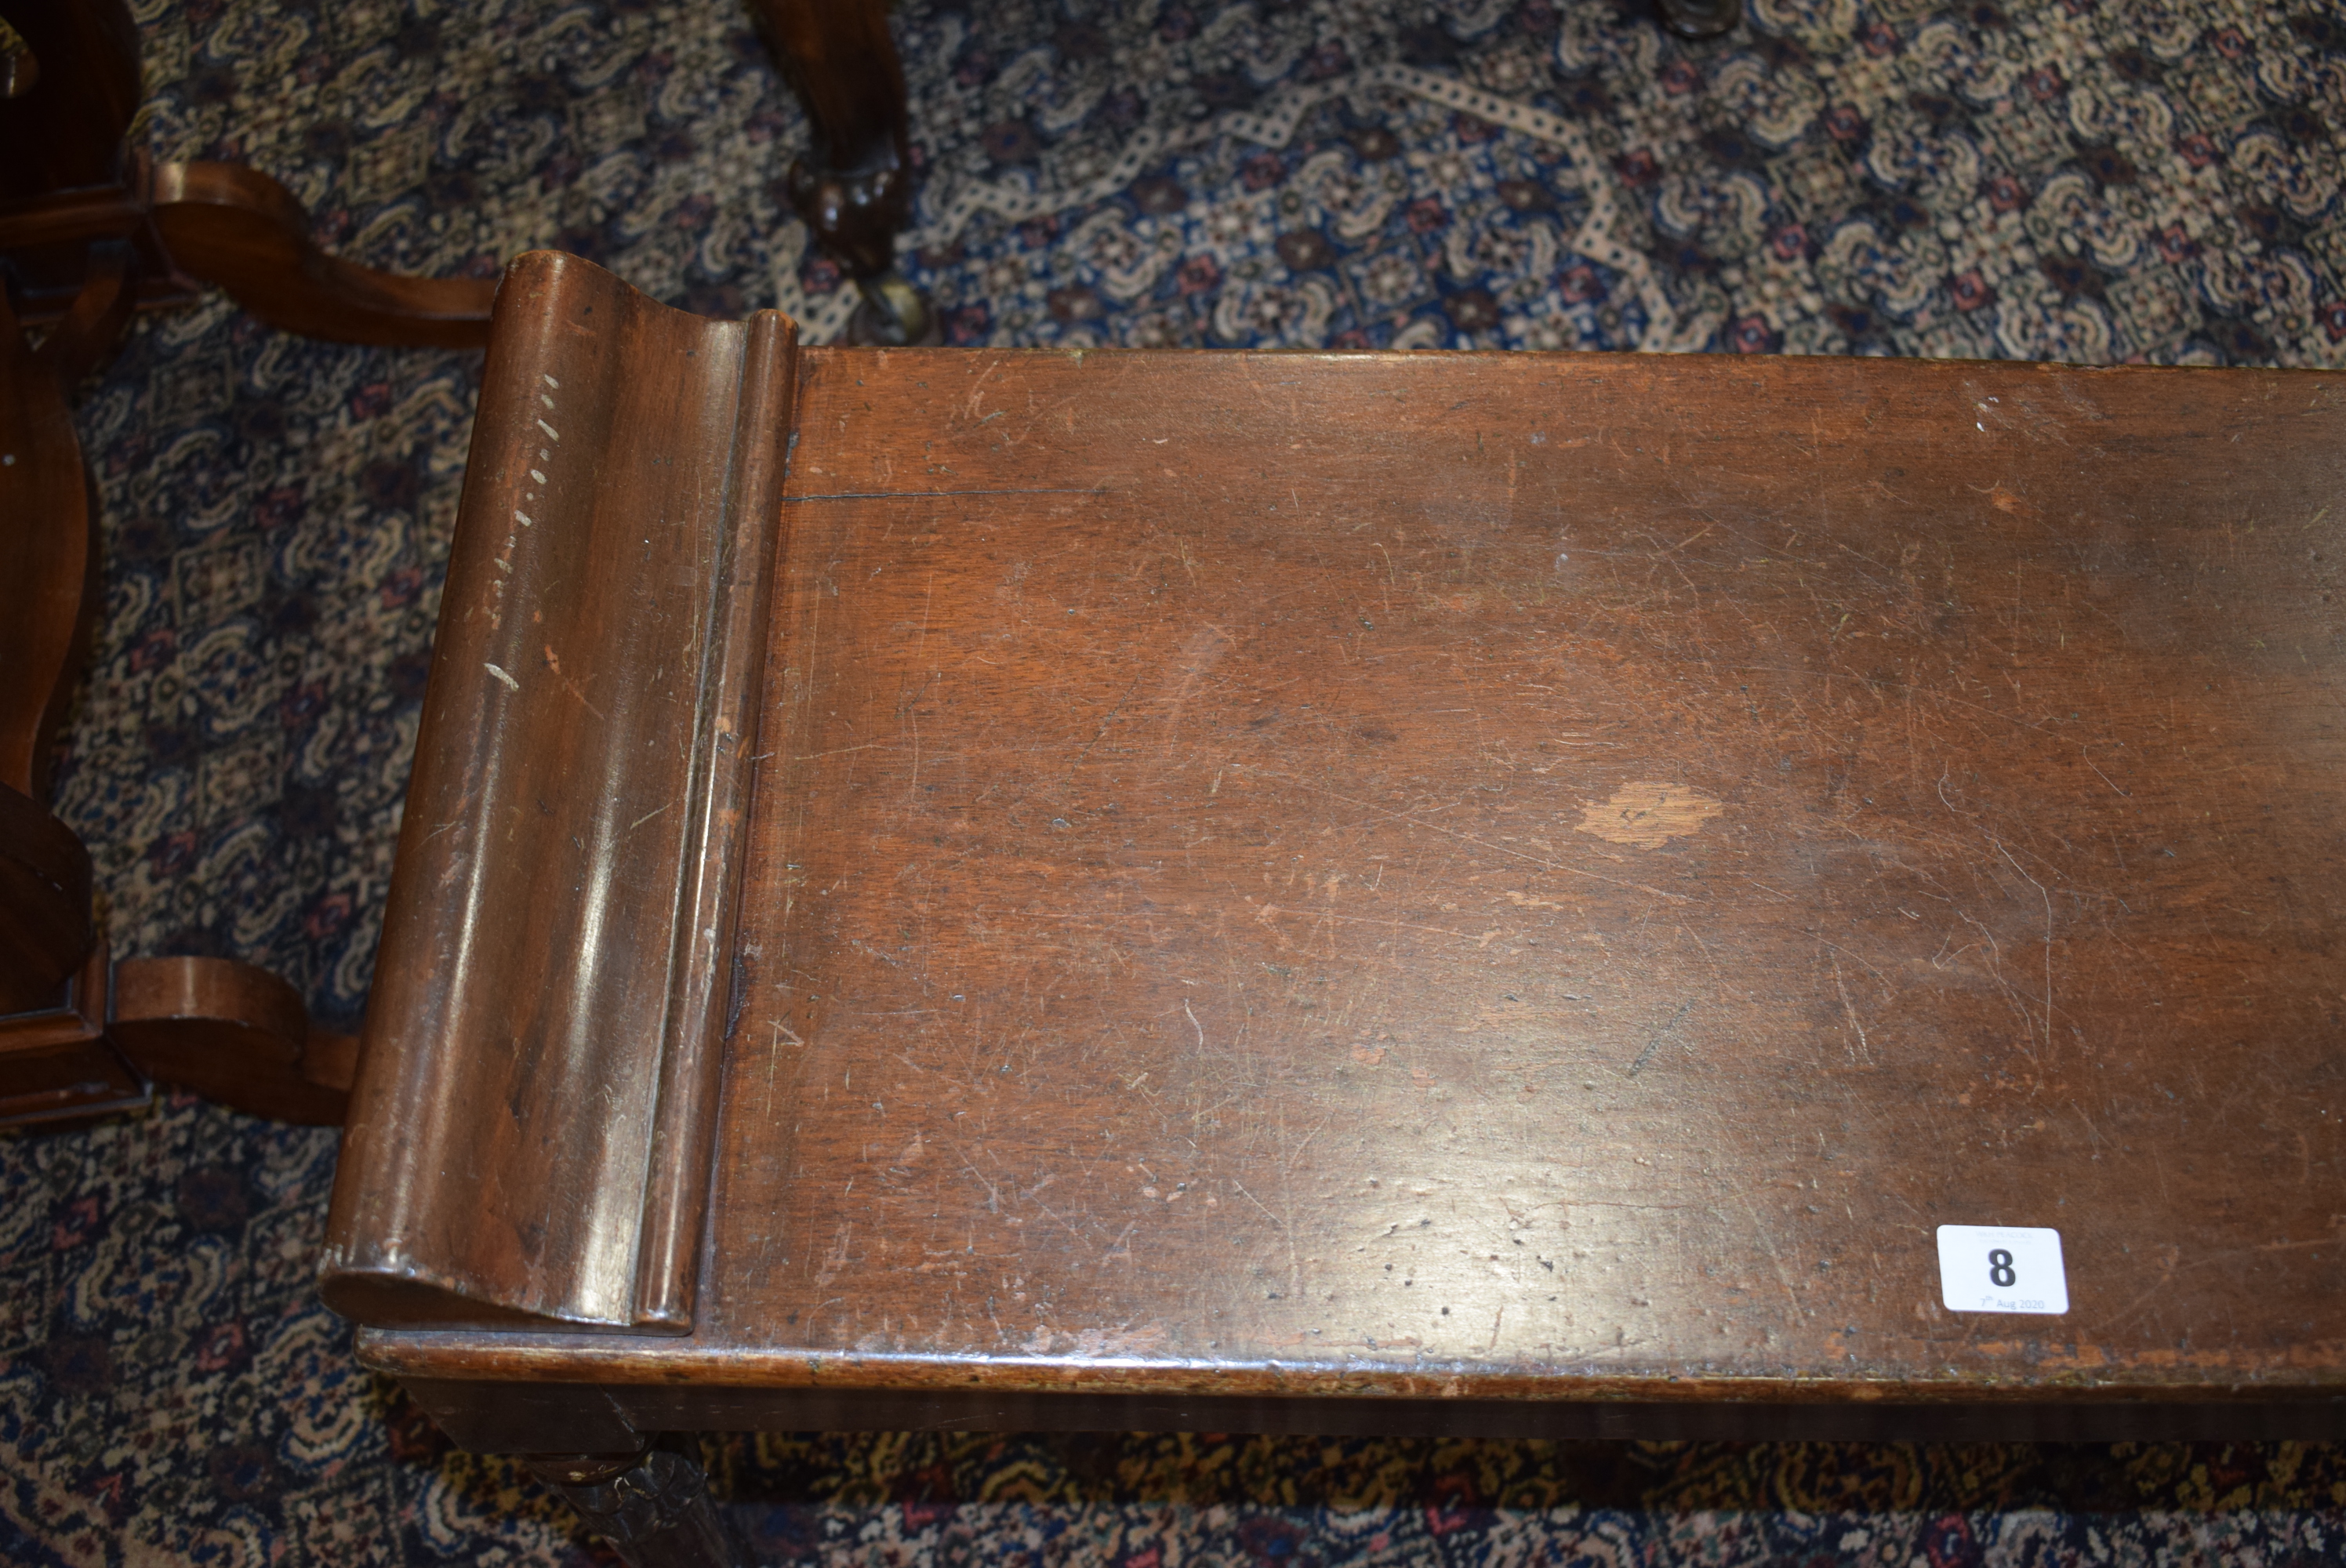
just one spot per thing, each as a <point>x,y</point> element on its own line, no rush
<point>2088,181</point>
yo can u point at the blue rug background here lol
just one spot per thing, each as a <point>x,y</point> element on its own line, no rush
<point>2127,179</point>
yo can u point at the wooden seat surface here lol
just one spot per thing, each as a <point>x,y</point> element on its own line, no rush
<point>1516,877</point>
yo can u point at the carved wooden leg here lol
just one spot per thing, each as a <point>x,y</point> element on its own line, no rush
<point>652,1505</point>
<point>47,558</point>
<point>83,223</point>
<point>855,193</point>
<point>1699,18</point>
<point>84,337</point>
<point>234,1033</point>
<point>237,228</point>
<point>45,929</point>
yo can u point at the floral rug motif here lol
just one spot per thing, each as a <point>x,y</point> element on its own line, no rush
<point>2093,180</point>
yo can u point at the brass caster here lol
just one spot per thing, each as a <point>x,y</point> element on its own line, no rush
<point>893,315</point>
<point>1699,18</point>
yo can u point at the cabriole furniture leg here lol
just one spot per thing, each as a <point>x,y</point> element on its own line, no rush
<point>652,1505</point>
<point>854,188</point>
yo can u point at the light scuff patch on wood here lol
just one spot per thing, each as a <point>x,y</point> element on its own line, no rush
<point>1650,813</point>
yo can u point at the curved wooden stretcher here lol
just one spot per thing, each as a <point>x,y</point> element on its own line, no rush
<point>91,230</point>
<point>1503,892</point>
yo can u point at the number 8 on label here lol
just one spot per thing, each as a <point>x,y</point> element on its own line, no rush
<point>2024,1272</point>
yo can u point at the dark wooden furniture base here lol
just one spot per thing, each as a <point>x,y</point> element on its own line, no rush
<point>73,182</point>
<point>651,1501</point>
<point>1368,893</point>
<point>228,1030</point>
<point>89,232</point>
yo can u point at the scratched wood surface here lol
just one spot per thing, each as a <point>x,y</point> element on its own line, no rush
<point>1520,875</point>
<point>530,1128</point>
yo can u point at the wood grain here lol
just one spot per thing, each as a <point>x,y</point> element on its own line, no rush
<point>515,1413</point>
<point>232,1032</point>
<point>1196,950</point>
<point>552,992</point>
<point>1521,877</point>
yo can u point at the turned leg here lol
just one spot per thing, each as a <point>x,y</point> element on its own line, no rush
<point>855,190</point>
<point>653,1505</point>
<point>47,561</point>
<point>55,1060</point>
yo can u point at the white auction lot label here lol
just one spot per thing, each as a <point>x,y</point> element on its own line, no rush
<point>2001,1269</point>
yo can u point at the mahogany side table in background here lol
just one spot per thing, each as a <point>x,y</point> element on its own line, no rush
<point>89,232</point>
